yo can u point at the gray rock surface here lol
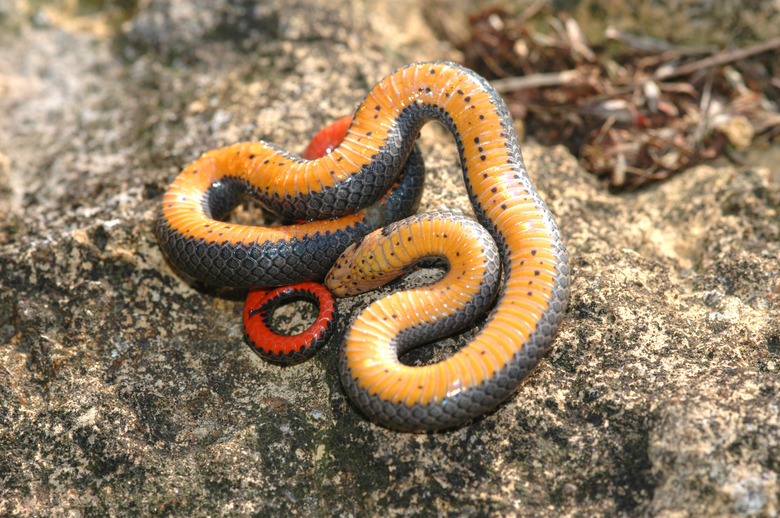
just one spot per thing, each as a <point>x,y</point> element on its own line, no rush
<point>125,391</point>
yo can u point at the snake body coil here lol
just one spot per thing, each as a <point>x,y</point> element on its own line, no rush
<point>344,184</point>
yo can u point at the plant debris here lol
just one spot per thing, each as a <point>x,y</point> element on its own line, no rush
<point>634,110</point>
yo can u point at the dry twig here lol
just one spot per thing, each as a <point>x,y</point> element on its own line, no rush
<point>635,117</point>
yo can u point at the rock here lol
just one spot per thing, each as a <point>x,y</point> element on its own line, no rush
<point>126,391</point>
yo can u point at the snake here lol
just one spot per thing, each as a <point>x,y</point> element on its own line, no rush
<point>352,213</point>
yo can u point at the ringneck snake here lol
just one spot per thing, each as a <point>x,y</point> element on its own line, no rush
<point>347,201</point>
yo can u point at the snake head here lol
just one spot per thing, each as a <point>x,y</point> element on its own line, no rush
<point>340,276</point>
<point>362,267</point>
